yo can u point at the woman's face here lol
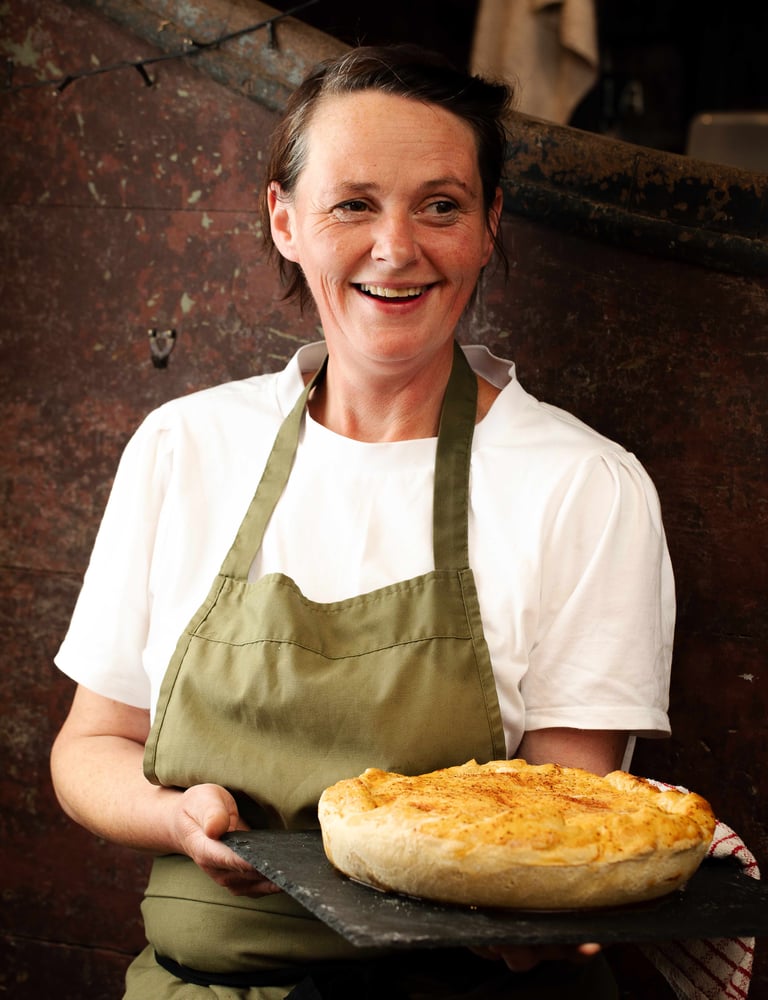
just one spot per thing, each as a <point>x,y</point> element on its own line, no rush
<point>387,223</point>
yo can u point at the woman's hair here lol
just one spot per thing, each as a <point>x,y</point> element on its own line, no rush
<point>404,71</point>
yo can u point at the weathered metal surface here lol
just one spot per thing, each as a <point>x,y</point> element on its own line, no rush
<point>265,65</point>
<point>640,199</point>
<point>127,207</point>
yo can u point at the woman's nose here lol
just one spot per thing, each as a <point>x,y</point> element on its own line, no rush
<point>395,241</point>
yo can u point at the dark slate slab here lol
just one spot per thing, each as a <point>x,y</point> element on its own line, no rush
<point>719,901</point>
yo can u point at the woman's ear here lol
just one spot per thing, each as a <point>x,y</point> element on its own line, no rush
<point>281,221</point>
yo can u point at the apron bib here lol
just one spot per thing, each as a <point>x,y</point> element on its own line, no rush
<point>275,697</point>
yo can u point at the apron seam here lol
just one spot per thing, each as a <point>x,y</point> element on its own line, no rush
<point>489,714</point>
<point>149,765</point>
<point>342,605</point>
<point>344,656</point>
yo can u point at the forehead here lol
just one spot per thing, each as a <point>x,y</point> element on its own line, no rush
<point>370,128</point>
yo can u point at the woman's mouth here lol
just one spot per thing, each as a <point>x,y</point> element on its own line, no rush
<point>388,293</point>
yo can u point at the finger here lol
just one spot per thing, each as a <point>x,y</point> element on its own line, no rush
<point>218,820</point>
<point>255,889</point>
<point>590,948</point>
<point>522,959</point>
<point>240,884</point>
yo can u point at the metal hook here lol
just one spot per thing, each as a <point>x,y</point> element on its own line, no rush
<point>161,343</point>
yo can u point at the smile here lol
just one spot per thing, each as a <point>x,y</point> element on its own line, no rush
<point>385,292</point>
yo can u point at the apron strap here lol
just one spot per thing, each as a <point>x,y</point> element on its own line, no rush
<point>273,481</point>
<point>450,507</point>
<point>450,517</point>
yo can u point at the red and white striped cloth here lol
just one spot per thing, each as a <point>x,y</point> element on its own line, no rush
<point>718,969</point>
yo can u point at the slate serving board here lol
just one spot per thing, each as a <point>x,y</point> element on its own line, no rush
<point>719,901</point>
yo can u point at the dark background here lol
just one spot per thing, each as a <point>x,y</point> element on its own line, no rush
<point>687,56</point>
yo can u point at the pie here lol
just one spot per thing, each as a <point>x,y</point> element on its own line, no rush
<point>512,834</point>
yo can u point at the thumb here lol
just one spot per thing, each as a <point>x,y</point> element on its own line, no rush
<point>215,822</point>
<point>219,818</point>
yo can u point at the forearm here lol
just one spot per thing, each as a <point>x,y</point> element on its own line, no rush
<point>599,751</point>
<point>100,784</point>
<point>96,765</point>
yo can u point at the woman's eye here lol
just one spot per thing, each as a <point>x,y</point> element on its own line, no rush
<point>442,208</point>
<point>354,206</point>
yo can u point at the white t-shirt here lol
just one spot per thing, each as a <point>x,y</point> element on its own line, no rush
<point>565,539</point>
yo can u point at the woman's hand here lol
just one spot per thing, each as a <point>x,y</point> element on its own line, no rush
<point>203,815</point>
<point>96,765</point>
<point>522,958</point>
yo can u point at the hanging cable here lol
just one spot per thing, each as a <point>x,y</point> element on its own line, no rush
<point>192,48</point>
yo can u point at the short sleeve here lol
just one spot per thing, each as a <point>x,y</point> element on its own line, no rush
<point>104,644</point>
<point>603,645</point>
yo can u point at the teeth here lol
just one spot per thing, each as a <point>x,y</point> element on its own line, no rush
<point>383,292</point>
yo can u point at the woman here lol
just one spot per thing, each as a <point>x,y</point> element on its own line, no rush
<point>344,627</point>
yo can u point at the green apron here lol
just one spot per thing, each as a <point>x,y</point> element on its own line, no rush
<point>276,697</point>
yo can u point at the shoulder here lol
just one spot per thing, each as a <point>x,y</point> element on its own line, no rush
<point>522,440</point>
<point>245,405</point>
<point>522,420</point>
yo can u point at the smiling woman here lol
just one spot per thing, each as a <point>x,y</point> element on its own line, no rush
<point>391,233</point>
<point>409,562</point>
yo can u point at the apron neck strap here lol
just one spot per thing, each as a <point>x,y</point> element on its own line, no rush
<point>273,480</point>
<point>450,516</point>
<point>450,507</point>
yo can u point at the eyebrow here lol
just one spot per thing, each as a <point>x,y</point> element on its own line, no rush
<point>434,184</point>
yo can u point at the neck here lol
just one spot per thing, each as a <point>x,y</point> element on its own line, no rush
<point>389,407</point>
<point>392,407</point>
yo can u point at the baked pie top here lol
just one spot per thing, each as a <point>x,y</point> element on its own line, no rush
<point>452,833</point>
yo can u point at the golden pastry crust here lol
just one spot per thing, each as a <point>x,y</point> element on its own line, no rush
<point>510,834</point>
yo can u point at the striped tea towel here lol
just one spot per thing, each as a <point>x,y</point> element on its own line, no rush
<point>720,969</point>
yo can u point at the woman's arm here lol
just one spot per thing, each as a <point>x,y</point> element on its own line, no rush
<point>596,750</point>
<point>96,766</point>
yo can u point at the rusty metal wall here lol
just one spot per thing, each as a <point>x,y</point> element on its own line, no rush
<point>126,207</point>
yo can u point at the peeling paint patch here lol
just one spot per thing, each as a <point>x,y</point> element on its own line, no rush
<point>747,677</point>
<point>24,54</point>
<point>194,197</point>
<point>96,196</point>
<point>206,222</point>
<point>186,303</point>
<point>286,336</point>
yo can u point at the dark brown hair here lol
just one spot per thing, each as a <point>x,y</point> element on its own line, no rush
<point>404,71</point>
